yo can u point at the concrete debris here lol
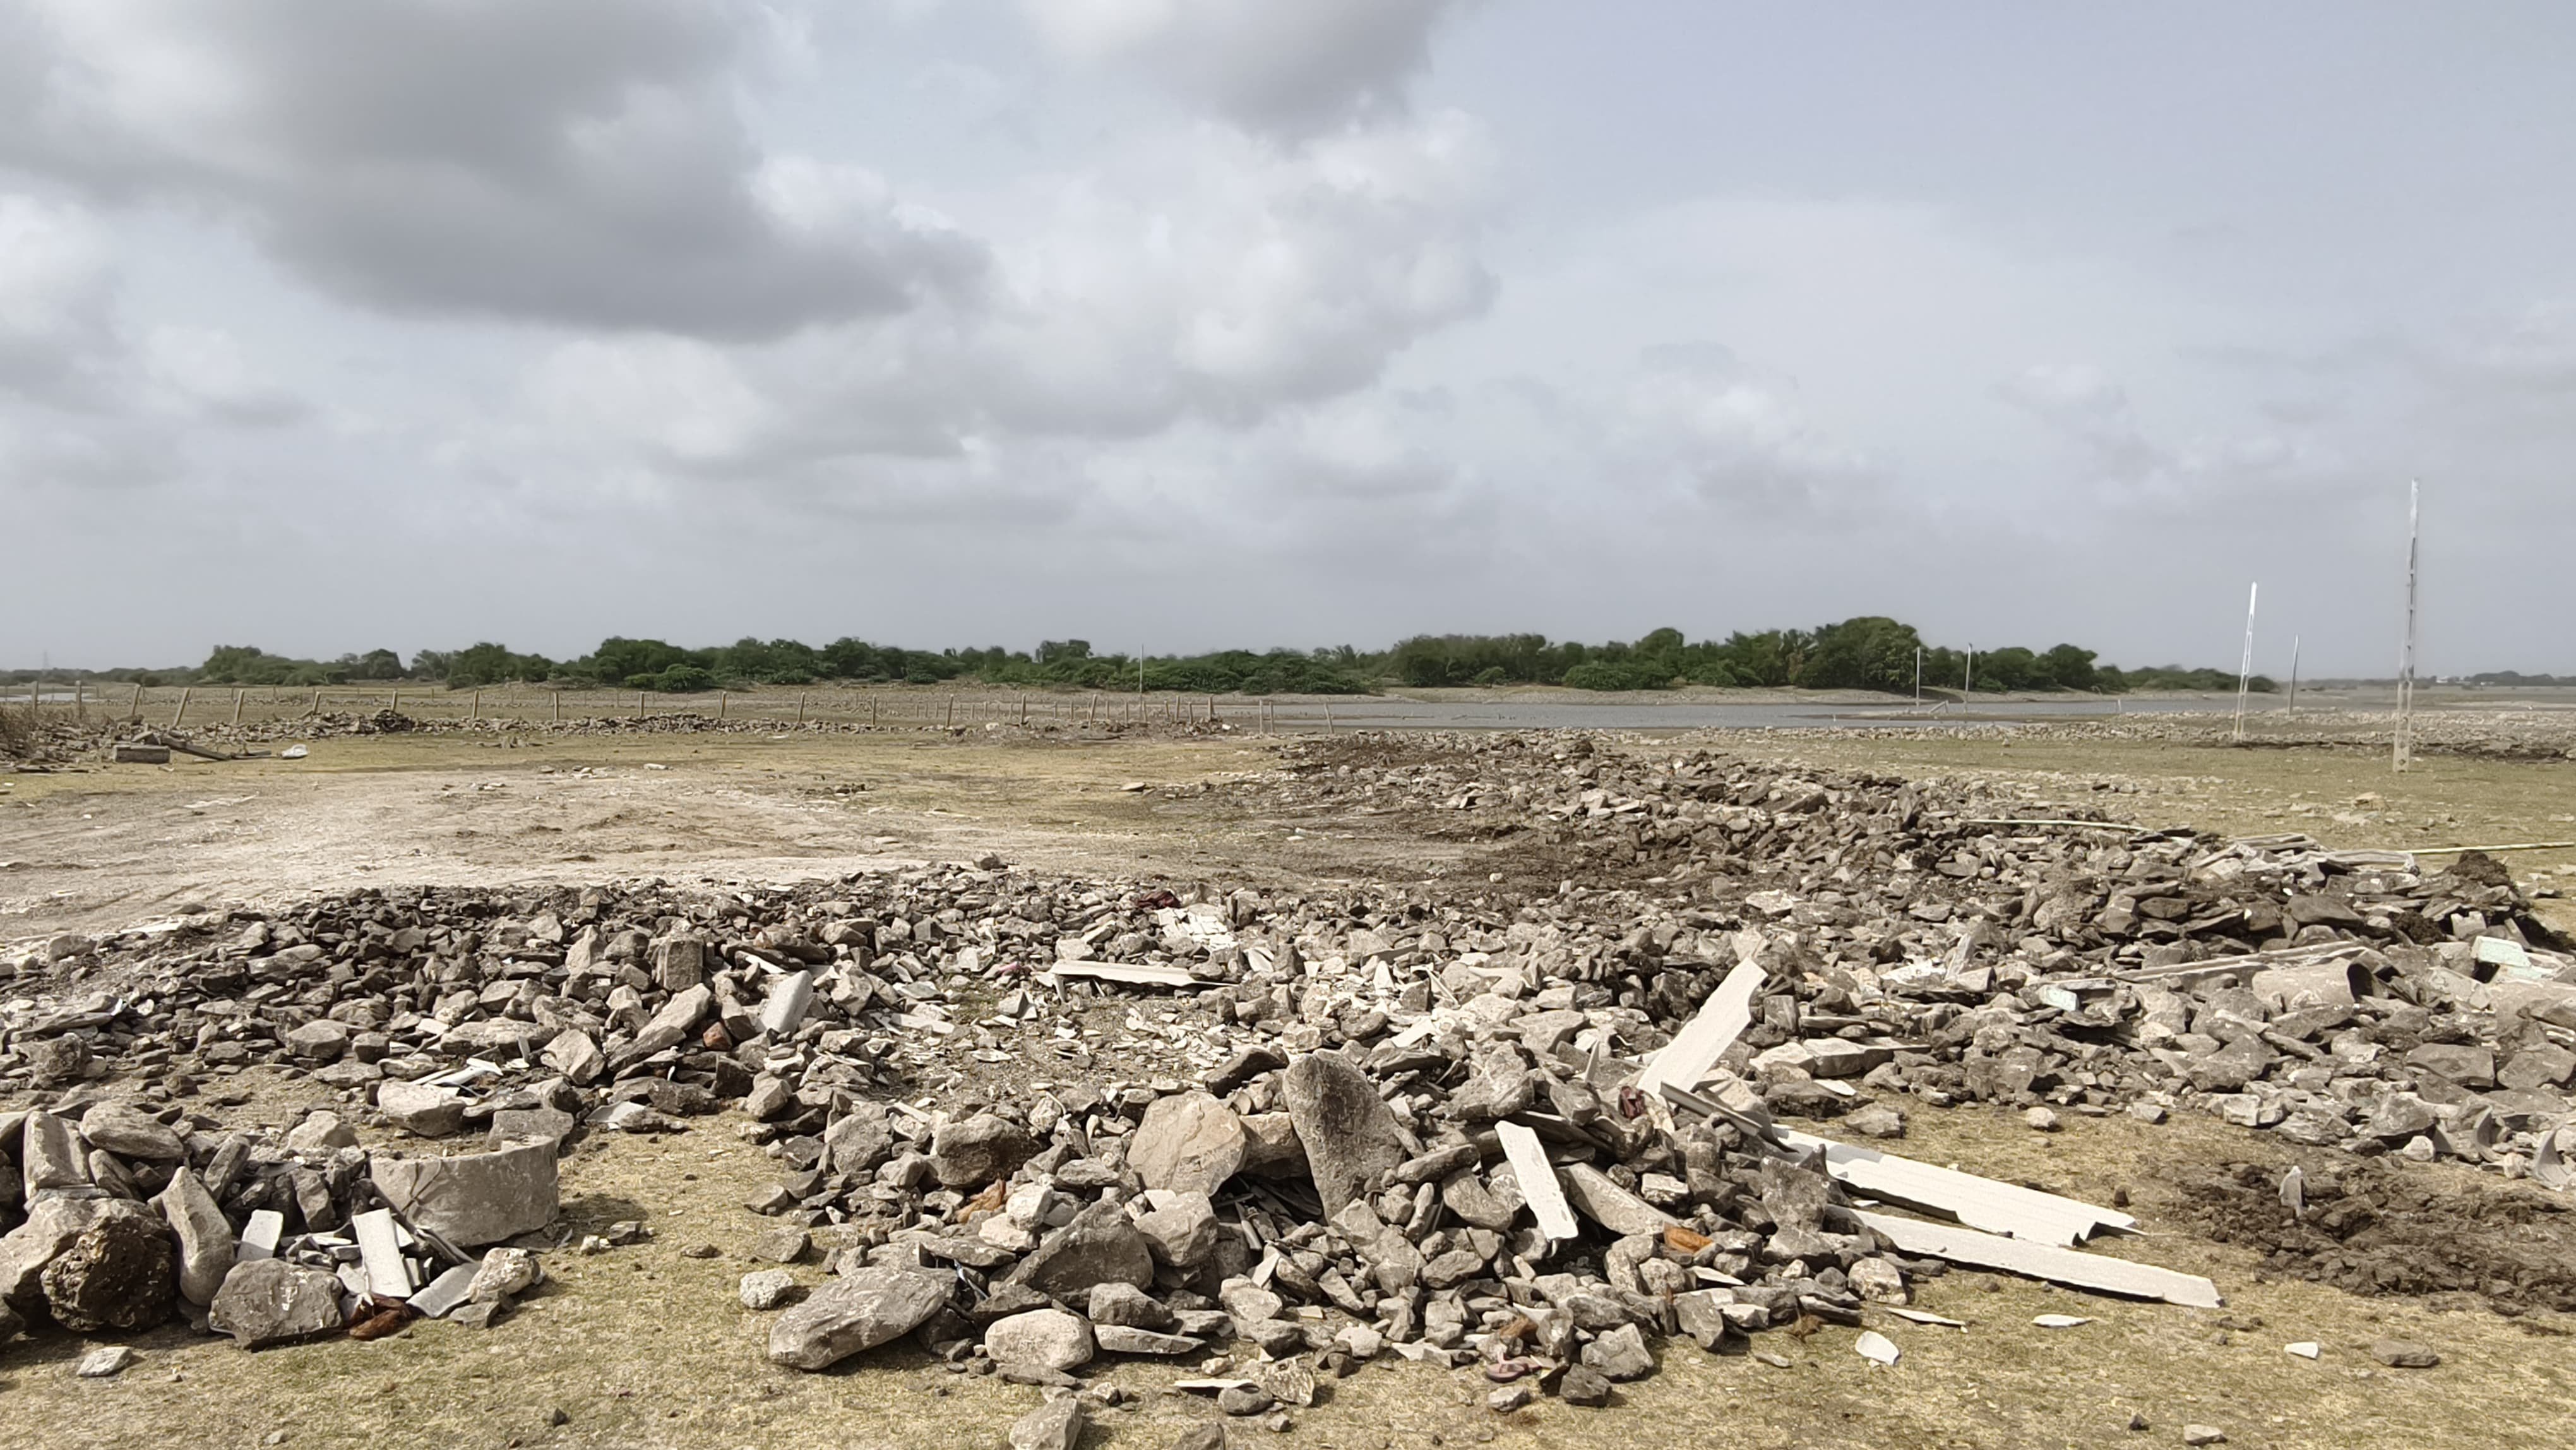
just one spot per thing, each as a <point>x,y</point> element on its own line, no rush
<point>1035,1120</point>
<point>273,1301</point>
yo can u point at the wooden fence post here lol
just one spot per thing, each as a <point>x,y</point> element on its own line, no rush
<point>237,704</point>
<point>183,707</point>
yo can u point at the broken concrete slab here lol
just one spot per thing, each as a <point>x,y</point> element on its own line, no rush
<point>472,1199</point>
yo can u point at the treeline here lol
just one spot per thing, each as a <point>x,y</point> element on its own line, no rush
<point>1869,653</point>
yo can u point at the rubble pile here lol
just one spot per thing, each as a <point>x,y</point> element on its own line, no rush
<point>1032,1121</point>
<point>124,1212</point>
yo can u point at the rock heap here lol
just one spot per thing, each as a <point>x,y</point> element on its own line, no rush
<point>1034,1121</point>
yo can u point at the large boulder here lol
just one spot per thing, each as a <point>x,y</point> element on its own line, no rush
<point>868,1308</point>
<point>473,1199</point>
<point>275,1301</point>
<point>1348,1130</point>
<point>54,1221</point>
<point>1188,1141</point>
<point>117,1275</point>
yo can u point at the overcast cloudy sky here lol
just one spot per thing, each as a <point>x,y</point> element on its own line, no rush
<point>1189,323</point>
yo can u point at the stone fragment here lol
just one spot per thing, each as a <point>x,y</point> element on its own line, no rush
<point>1349,1134</point>
<point>575,1054</point>
<point>472,1199</point>
<point>428,1112</point>
<point>1055,1425</point>
<point>320,1134</point>
<point>972,1152</point>
<point>1123,1339</point>
<point>1099,1246</point>
<point>274,1301</point>
<point>205,1237</point>
<point>503,1274</point>
<point>1620,1354</point>
<point>767,1288</point>
<point>859,1311</point>
<point>2403,1354</point>
<point>1180,1229</point>
<point>1190,1142</point>
<point>2468,1065</point>
<point>1583,1385</point>
<point>131,1133</point>
<point>54,1157</point>
<point>1049,1337</point>
<point>2203,1435</point>
<point>107,1362</point>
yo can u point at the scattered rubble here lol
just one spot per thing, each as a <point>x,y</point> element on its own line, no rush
<point>1531,1130</point>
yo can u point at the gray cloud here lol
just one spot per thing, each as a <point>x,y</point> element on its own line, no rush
<point>1289,67</point>
<point>579,161</point>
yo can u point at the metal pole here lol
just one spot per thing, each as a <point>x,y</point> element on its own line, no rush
<point>2245,665</point>
<point>2404,749</point>
<point>2294,675</point>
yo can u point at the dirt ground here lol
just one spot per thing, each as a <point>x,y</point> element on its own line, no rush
<point>644,1346</point>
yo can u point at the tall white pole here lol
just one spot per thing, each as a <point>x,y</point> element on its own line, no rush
<point>2403,753</point>
<point>2245,666</point>
<point>1968,681</point>
<point>2294,675</point>
<point>1918,677</point>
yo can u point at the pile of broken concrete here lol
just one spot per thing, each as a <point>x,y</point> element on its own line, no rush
<point>1034,1120</point>
<point>120,1218</point>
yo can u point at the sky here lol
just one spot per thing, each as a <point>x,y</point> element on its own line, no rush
<point>1186,324</point>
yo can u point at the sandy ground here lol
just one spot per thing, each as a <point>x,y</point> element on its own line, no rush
<point>646,1347</point>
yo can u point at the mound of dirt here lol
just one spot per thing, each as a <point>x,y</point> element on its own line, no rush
<point>2377,1227</point>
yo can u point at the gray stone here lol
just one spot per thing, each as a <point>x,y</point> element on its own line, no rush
<point>1583,1385</point>
<point>1349,1132</point>
<point>1055,1425</point>
<point>429,1112</point>
<point>859,1311</point>
<point>2547,1065</point>
<point>530,1125</point>
<point>1099,1247</point>
<point>1050,1337</point>
<point>1620,1354</point>
<point>2403,1354</point>
<point>53,1222</point>
<point>1243,1400</point>
<point>1701,1315</point>
<point>275,1301</point>
<point>117,1275</point>
<point>858,1141</point>
<point>131,1133</point>
<point>576,1055</point>
<point>670,1026</point>
<point>1875,1121</point>
<point>1210,1436</point>
<point>53,1157</point>
<point>1179,1228</point>
<point>972,1152</point>
<point>1189,1142</point>
<point>1123,1339</point>
<point>1125,1304</point>
<point>107,1362</point>
<point>473,1199</point>
<point>1623,1213</point>
<point>783,1244</point>
<point>205,1237</point>
<point>1491,1205</point>
<point>320,1135</point>
<point>2470,1067</point>
<point>767,1288</point>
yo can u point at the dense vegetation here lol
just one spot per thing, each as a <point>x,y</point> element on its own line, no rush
<point>1868,653</point>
